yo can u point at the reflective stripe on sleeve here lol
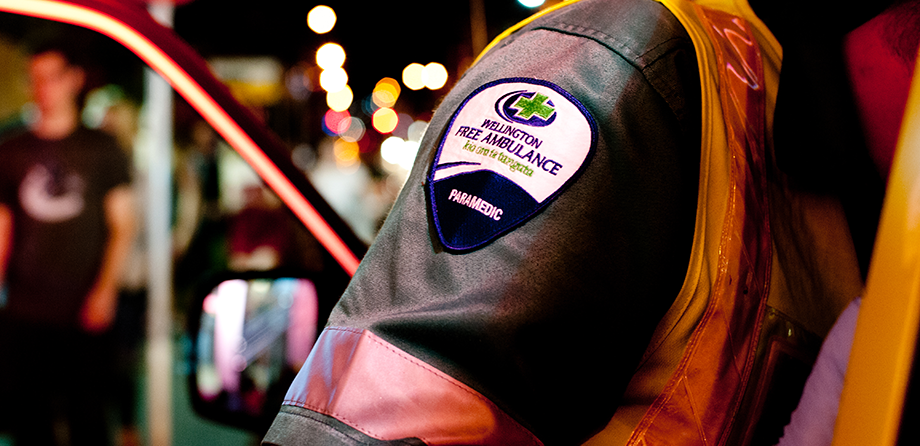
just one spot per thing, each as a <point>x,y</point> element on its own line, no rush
<point>385,393</point>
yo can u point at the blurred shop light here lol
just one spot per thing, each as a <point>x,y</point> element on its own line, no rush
<point>399,152</point>
<point>321,19</point>
<point>333,79</point>
<point>333,121</point>
<point>340,100</point>
<point>255,81</point>
<point>434,76</point>
<point>412,76</point>
<point>330,55</point>
<point>531,3</point>
<point>346,152</point>
<point>385,120</point>
<point>386,92</point>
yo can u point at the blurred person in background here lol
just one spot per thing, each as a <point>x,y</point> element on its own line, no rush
<point>66,228</point>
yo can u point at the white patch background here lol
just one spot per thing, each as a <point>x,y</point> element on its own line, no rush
<point>567,140</point>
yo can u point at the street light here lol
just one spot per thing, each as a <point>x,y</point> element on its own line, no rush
<point>333,79</point>
<point>434,76</point>
<point>330,55</point>
<point>412,76</point>
<point>321,19</point>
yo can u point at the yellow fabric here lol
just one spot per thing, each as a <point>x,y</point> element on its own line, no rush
<point>814,269</point>
<point>814,273</point>
<point>674,331</point>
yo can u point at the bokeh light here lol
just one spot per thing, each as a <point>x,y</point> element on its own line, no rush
<point>385,120</point>
<point>386,92</point>
<point>355,130</point>
<point>346,152</point>
<point>434,75</point>
<point>340,100</point>
<point>412,76</point>
<point>333,79</point>
<point>399,152</point>
<point>330,55</point>
<point>334,122</point>
<point>321,19</point>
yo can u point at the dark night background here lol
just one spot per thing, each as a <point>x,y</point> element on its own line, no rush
<point>411,30</point>
<point>379,38</point>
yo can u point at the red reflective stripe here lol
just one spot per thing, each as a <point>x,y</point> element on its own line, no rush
<point>372,386</point>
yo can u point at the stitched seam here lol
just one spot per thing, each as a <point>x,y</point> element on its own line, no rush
<point>616,45</point>
<point>578,31</point>
<point>637,61</point>
<point>664,53</point>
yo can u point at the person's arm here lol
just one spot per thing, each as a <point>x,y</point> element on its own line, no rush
<point>459,330</point>
<point>101,303</point>
<point>812,423</point>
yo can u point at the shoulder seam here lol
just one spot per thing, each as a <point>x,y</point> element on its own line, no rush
<point>639,60</point>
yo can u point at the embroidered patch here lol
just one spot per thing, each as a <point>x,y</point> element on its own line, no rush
<point>512,146</point>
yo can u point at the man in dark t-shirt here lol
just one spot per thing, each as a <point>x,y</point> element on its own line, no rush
<point>66,226</point>
<point>56,192</point>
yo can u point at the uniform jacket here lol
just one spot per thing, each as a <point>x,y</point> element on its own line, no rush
<point>583,251</point>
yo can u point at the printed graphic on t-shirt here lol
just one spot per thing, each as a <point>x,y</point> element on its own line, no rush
<point>51,198</point>
<point>511,147</point>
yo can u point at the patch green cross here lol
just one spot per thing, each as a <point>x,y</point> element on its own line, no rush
<point>529,107</point>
